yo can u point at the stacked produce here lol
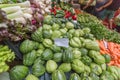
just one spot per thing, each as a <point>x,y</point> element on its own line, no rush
<point>10,1</point>
<point>3,25</point>
<point>19,20</point>
<point>58,49</point>
<point>111,49</point>
<point>45,6</point>
<point>6,55</point>
<point>97,28</point>
<point>67,13</point>
<point>11,30</point>
<point>62,16</point>
<point>18,11</point>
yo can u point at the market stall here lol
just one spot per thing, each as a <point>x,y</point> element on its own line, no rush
<point>49,40</point>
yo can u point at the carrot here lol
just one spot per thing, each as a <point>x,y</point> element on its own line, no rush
<point>113,50</point>
<point>101,44</point>
<point>111,63</point>
<point>119,61</point>
<point>107,51</point>
<point>102,52</point>
<point>111,46</point>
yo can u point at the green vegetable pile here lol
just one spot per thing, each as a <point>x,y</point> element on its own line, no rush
<point>81,59</point>
<point>97,28</point>
<point>6,55</point>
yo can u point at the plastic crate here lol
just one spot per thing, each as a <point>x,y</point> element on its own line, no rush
<point>14,46</point>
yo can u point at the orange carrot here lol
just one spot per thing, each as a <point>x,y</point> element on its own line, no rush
<point>113,49</point>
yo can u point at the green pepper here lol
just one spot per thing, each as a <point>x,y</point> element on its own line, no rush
<point>41,46</point>
<point>106,76</point>
<point>87,78</point>
<point>75,42</point>
<point>89,44</point>
<point>99,59</point>
<point>57,57</point>
<point>104,67</point>
<point>56,34</point>
<point>96,68</point>
<point>51,66</point>
<point>47,33</point>
<point>87,69</point>
<point>47,42</point>
<point>74,76</point>
<point>39,61</point>
<point>113,71</point>
<point>86,60</point>
<point>59,11</point>
<point>78,66</point>
<point>94,76</point>
<point>93,53</point>
<point>59,15</point>
<point>107,58</point>
<point>55,26</point>
<point>76,53</point>
<point>55,48</point>
<point>65,67</point>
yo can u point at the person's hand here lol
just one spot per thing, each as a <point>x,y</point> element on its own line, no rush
<point>99,9</point>
<point>85,7</point>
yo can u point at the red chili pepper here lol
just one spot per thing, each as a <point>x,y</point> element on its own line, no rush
<point>51,10</point>
<point>67,14</point>
<point>54,12</point>
<point>74,17</point>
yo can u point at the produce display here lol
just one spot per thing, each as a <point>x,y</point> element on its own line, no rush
<point>18,11</point>
<point>81,58</point>
<point>10,1</point>
<point>45,6</point>
<point>6,55</point>
<point>56,42</point>
<point>19,20</point>
<point>66,13</point>
<point>18,72</point>
<point>97,28</point>
<point>112,49</point>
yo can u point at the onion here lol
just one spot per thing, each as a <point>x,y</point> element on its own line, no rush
<point>39,17</point>
<point>34,22</point>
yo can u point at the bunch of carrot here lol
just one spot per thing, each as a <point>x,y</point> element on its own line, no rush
<point>112,49</point>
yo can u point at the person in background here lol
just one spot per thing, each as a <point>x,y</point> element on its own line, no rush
<point>87,9</point>
<point>116,24</point>
<point>104,9</point>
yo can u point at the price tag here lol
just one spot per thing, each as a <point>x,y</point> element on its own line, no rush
<point>63,42</point>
